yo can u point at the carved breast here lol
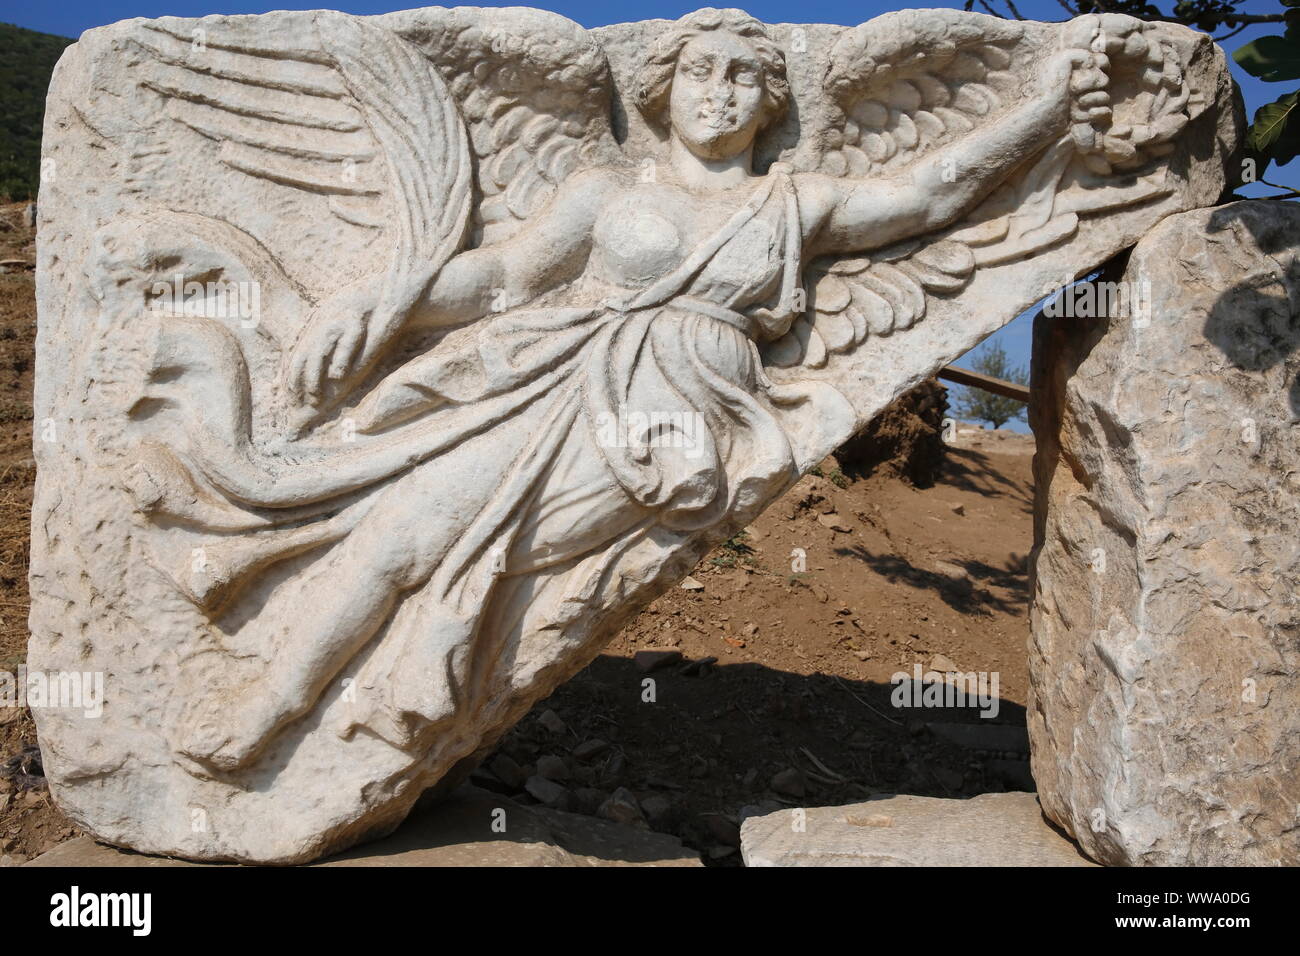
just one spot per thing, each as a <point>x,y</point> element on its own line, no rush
<point>635,244</point>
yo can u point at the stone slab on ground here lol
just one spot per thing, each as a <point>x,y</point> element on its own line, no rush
<point>993,829</point>
<point>456,832</point>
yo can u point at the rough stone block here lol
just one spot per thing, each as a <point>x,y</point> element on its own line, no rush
<point>1165,651</point>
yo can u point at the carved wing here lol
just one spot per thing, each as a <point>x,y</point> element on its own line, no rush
<point>905,84</point>
<point>536,95</point>
<point>908,83</point>
<point>350,115</point>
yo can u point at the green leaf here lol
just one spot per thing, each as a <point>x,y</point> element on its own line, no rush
<point>1276,131</point>
<point>1272,59</point>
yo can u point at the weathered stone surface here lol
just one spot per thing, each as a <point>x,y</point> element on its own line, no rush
<point>388,365</point>
<point>457,832</point>
<point>993,829</point>
<point>1165,657</point>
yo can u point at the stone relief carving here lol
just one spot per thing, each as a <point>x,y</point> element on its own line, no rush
<point>391,363</point>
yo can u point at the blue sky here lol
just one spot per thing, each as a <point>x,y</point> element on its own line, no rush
<point>71,17</point>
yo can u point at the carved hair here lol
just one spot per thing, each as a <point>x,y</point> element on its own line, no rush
<point>654,79</point>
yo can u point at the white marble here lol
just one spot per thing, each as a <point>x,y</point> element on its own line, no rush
<point>496,325</point>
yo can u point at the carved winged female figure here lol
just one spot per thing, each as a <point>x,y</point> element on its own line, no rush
<point>425,490</point>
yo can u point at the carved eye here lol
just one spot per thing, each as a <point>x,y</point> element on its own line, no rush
<point>747,76</point>
<point>696,71</point>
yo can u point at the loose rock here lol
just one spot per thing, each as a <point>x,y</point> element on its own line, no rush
<point>622,807</point>
<point>791,782</point>
<point>653,660</point>
<point>547,792</point>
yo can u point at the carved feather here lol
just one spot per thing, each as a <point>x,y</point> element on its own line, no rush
<point>907,83</point>
<point>280,113</point>
<point>537,105</point>
<point>353,113</point>
<point>903,85</point>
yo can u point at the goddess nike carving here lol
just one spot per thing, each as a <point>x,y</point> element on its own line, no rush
<point>405,502</point>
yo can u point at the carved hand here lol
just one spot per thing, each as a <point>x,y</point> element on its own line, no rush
<point>339,340</point>
<point>1094,40</point>
<point>1073,84</point>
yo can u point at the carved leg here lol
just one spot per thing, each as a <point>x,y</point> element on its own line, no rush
<point>581,508</point>
<point>230,564</point>
<point>323,621</point>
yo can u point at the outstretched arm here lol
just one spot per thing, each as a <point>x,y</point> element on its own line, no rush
<point>548,253</point>
<point>845,215</point>
<point>347,333</point>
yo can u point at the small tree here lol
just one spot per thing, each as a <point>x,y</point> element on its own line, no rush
<point>978,405</point>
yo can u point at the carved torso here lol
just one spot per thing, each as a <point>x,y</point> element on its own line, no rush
<point>653,228</point>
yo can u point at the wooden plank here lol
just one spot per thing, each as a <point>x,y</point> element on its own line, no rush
<point>988,383</point>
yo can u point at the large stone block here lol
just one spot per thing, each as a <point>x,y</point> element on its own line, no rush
<point>993,829</point>
<point>471,827</point>
<point>1165,656</point>
<point>387,365</point>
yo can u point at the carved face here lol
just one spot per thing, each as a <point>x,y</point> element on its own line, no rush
<point>716,103</point>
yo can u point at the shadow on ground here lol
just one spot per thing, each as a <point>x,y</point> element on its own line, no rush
<point>697,744</point>
<point>969,594</point>
<point>970,470</point>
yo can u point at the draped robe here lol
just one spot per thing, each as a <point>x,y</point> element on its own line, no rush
<point>566,488</point>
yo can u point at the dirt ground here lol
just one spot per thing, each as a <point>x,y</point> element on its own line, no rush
<point>771,672</point>
<point>29,822</point>
<point>782,695</point>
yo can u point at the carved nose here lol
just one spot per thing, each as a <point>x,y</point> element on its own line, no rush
<point>721,95</point>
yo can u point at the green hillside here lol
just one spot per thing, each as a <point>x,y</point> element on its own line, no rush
<point>27,59</point>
